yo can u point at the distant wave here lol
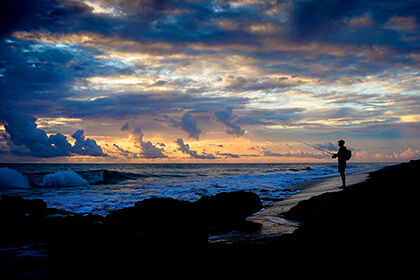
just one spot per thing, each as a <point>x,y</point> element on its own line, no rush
<point>63,179</point>
<point>10,178</point>
<point>99,189</point>
<point>105,177</point>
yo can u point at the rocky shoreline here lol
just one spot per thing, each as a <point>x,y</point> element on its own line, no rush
<point>375,218</point>
<point>154,227</point>
<point>367,225</point>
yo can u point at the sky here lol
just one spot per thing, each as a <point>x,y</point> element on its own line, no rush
<point>208,81</point>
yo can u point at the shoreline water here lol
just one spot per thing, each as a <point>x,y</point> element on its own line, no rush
<point>337,225</point>
<point>98,189</point>
<point>369,221</point>
<point>270,219</point>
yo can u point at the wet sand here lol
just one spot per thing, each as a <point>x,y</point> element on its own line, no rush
<point>369,226</point>
<point>270,218</point>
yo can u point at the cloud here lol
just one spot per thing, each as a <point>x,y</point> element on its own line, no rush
<point>395,156</point>
<point>308,65</point>
<point>298,153</point>
<point>187,124</point>
<point>43,78</point>
<point>148,150</point>
<point>125,127</point>
<point>327,146</point>
<point>132,104</point>
<point>25,13</point>
<point>271,116</point>
<point>228,155</point>
<point>315,20</point>
<point>228,119</point>
<point>26,139</point>
<point>126,153</point>
<point>264,151</point>
<point>86,146</point>
<point>185,149</point>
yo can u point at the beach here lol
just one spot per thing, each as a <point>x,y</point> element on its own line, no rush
<point>372,218</point>
<point>270,219</point>
<point>368,226</point>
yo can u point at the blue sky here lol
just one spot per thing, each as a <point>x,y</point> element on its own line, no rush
<point>208,81</point>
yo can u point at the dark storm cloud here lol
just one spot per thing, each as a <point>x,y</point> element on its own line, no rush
<point>324,19</point>
<point>26,139</point>
<point>183,21</point>
<point>34,14</point>
<point>38,77</point>
<point>31,78</point>
<point>220,22</point>
<point>312,18</point>
<point>171,21</point>
<point>204,22</point>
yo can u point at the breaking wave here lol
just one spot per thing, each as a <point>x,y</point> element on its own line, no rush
<point>10,178</point>
<point>98,189</point>
<point>63,179</point>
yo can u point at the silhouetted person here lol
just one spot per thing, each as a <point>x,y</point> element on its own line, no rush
<point>342,154</point>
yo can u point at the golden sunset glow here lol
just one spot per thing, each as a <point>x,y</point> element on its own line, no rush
<point>209,81</point>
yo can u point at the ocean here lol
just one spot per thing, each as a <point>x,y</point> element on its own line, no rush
<point>101,188</point>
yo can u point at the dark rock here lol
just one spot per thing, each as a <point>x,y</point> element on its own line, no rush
<point>161,222</point>
<point>166,222</point>
<point>306,209</point>
<point>17,206</point>
<point>365,217</point>
<point>152,231</point>
<point>228,210</point>
<point>23,221</point>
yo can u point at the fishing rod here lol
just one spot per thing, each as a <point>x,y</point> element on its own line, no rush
<point>315,147</point>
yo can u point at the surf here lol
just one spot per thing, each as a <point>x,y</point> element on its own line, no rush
<point>63,179</point>
<point>10,178</point>
<point>100,188</point>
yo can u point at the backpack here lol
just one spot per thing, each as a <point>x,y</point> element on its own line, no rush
<point>347,154</point>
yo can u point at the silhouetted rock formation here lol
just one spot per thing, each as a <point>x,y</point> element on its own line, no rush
<point>371,221</point>
<point>375,217</point>
<point>153,229</point>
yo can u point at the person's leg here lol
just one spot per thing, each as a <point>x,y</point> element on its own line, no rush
<point>343,178</point>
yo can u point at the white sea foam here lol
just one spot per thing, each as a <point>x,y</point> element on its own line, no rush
<point>267,186</point>
<point>110,189</point>
<point>100,199</point>
<point>63,179</point>
<point>10,178</point>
